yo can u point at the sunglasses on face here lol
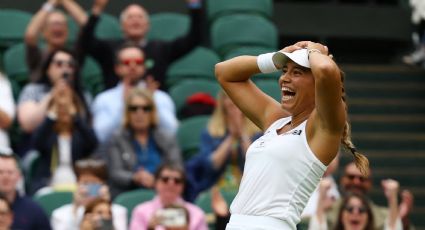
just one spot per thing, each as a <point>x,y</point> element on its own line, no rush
<point>165,179</point>
<point>352,177</point>
<point>352,209</point>
<point>61,63</point>
<point>137,61</point>
<point>135,108</point>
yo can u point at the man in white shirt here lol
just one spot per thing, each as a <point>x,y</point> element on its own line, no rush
<point>7,110</point>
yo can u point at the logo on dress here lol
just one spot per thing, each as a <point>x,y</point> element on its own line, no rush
<point>296,132</point>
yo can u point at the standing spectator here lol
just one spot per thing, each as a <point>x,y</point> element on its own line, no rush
<point>27,215</point>
<point>355,211</point>
<point>169,185</point>
<point>7,110</point>
<point>139,147</point>
<point>52,24</point>
<point>353,181</point>
<point>108,107</point>
<point>135,26</point>
<point>92,177</point>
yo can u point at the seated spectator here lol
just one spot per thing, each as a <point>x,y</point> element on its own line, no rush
<point>59,70</point>
<point>53,26</point>
<point>6,214</point>
<point>64,134</point>
<point>108,106</point>
<point>223,145</point>
<point>27,215</point>
<point>353,181</point>
<point>7,110</point>
<point>139,147</point>
<point>135,26</point>
<point>98,216</point>
<point>355,211</point>
<point>169,185</point>
<point>91,186</point>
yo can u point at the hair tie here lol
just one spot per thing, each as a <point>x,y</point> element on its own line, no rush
<point>352,149</point>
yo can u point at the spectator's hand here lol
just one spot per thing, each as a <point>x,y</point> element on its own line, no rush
<point>154,221</point>
<point>325,201</point>
<point>104,193</point>
<point>151,83</point>
<point>80,196</point>
<point>218,203</point>
<point>99,6</point>
<point>54,2</point>
<point>390,187</point>
<point>406,203</point>
<point>144,178</point>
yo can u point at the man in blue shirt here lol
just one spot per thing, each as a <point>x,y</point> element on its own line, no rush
<point>27,215</point>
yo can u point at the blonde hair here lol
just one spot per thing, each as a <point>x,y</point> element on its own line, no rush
<point>360,160</point>
<point>217,126</point>
<point>145,94</point>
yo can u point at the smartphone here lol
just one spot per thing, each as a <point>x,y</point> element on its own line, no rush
<point>105,224</point>
<point>93,189</point>
<point>172,217</point>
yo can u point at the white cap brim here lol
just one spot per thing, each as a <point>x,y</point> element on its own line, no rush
<point>300,57</point>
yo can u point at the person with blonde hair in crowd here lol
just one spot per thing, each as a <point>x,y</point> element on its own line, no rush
<point>302,132</point>
<point>137,149</point>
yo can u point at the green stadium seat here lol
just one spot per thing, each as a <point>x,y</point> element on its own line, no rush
<point>232,31</point>
<point>204,202</point>
<point>13,24</point>
<point>189,134</point>
<point>51,201</point>
<point>199,63</point>
<point>15,67</point>
<point>168,26</point>
<point>109,27</point>
<point>133,198</point>
<point>218,8</point>
<point>181,91</point>
<point>92,78</point>
<point>271,88</point>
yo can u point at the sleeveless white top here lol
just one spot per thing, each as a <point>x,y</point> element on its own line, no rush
<point>281,172</point>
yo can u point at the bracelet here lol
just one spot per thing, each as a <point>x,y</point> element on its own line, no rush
<point>265,63</point>
<point>48,7</point>
<point>313,51</point>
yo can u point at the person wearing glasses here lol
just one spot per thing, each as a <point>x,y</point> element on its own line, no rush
<point>135,25</point>
<point>169,185</point>
<point>108,107</point>
<point>355,210</point>
<point>353,181</point>
<point>55,111</point>
<point>27,214</point>
<point>140,146</point>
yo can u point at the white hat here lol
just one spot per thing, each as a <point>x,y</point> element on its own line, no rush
<point>298,56</point>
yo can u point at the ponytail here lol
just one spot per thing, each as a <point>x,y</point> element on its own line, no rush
<point>360,160</point>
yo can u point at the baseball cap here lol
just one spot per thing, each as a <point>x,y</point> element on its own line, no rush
<point>300,57</point>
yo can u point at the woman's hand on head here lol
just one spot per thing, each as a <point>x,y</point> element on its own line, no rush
<point>296,46</point>
<point>317,46</point>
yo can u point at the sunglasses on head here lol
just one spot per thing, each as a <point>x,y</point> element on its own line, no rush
<point>61,63</point>
<point>135,108</point>
<point>352,177</point>
<point>137,61</point>
<point>165,179</point>
<point>352,209</point>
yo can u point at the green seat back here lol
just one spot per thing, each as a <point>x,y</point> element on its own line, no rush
<point>13,24</point>
<point>15,67</point>
<point>271,88</point>
<point>51,201</point>
<point>199,63</point>
<point>218,8</point>
<point>204,202</point>
<point>168,26</point>
<point>92,78</point>
<point>108,27</point>
<point>181,91</point>
<point>232,31</point>
<point>189,134</point>
<point>133,198</point>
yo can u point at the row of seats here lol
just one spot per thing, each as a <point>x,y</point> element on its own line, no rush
<point>51,201</point>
